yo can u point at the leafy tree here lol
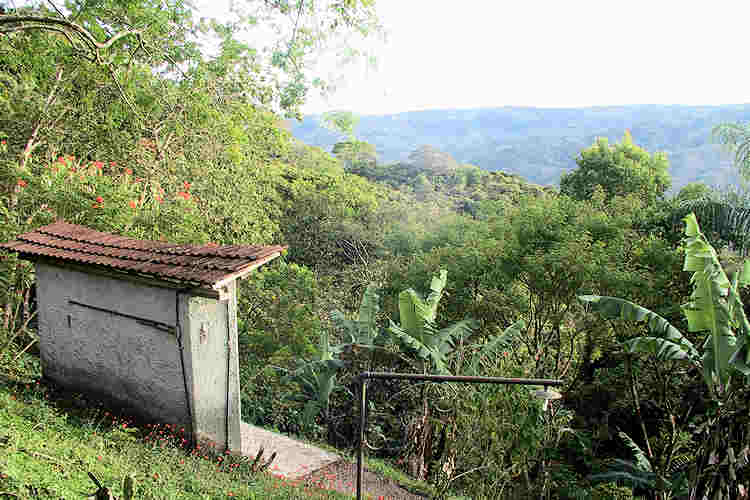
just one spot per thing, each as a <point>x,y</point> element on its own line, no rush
<point>432,160</point>
<point>317,381</point>
<point>736,138</point>
<point>726,216</point>
<point>417,331</point>
<point>620,170</point>
<point>356,155</point>
<point>343,122</point>
<point>113,35</point>
<point>693,191</point>
<point>428,347</point>
<point>553,249</point>
<point>714,307</point>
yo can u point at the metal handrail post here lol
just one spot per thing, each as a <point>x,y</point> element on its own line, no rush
<point>544,382</point>
<point>362,423</point>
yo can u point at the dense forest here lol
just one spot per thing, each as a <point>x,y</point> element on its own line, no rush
<point>541,144</point>
<point>626,281</point>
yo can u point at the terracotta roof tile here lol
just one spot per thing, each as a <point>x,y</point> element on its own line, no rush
<point>195,264</point>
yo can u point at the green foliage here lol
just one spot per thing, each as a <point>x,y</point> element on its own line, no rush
<point>44,432</point>
<point>640,474</point>
<point>340,121</point>
<point>620,170</point>
<point>726,213</point>
<point>279,308</point>
<point>317,382</point>
<point>362,331</point>
<point>736,138</point>
<point>162,35</point>
<point>715,307</point>
<point>542,144</point>
<point>668,342</point>
<point>355,155</point>
<point>418,333</point>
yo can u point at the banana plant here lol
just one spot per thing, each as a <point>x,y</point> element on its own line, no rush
<point>640,473</point>
<point>362,331</point>
<point>714,307</point>
<point>417,332</point>
<point>482,354</point>
<point>317,380</point>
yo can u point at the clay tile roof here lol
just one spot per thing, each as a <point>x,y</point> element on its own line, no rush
<point>195,264</point>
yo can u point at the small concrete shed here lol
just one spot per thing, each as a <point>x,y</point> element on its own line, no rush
<point>147,325</point>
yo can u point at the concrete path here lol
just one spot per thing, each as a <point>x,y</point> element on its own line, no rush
<point>294,459</point>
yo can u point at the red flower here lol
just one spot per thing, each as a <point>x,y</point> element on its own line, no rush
<point>187,185</point>
<point>128,171</point>
<point>184,195</point>
<point>113,164</point>
<point>132,204</point>
<point>98,165</point>
<point>21,182</point>
<point>3,142</point>
<point>99,199</point>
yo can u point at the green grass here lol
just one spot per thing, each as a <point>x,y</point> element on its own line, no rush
<point>48,447</point>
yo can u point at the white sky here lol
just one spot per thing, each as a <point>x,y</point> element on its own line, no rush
<point>551,53</point>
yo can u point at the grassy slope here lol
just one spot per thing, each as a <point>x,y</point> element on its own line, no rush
<point>48,447</point>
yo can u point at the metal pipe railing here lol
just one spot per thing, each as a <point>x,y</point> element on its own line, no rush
<point>364,376</point>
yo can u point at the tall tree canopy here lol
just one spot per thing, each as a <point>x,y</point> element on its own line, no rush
<point>736,138</point>
<point>266,49</point>
<point>620,170</point>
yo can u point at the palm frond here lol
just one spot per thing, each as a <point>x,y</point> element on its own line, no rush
<point>641,460</point>
<point>736,138</point>
<point>636,479</point>
<point>445,339</point>
<point>490,349</point>
<point>615,308</point>
<point>423,351</point>
<point>660,348</point>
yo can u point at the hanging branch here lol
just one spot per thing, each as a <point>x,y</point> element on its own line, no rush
<point>32,144</point>
<point>12,24</point>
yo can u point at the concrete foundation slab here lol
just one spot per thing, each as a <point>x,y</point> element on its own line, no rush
<point>294,459</point>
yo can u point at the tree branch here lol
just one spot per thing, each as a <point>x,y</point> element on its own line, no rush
<point>30,144</point>
<point>56,9</point>
<point>41,22</point>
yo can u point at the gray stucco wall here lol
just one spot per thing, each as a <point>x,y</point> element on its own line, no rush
<point>125,360</point>
<point>87,344</point>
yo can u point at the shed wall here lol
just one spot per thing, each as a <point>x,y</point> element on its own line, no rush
<point>130,362</point>
<point>209,329</point>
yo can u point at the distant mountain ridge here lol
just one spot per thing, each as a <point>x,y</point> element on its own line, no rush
<point>540,144</point>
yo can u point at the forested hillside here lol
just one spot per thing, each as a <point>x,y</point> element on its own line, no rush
<point>625,285</point>
<point>540,144</point>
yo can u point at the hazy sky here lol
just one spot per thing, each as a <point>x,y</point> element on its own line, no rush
<point>475,53</point>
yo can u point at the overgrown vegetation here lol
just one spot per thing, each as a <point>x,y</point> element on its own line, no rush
<point>422,266</point>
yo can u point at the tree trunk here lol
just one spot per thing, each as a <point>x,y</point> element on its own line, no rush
<point>420,443</point>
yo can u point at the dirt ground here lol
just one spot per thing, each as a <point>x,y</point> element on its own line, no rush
<point>295,459</point>
<point>342,476</point>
